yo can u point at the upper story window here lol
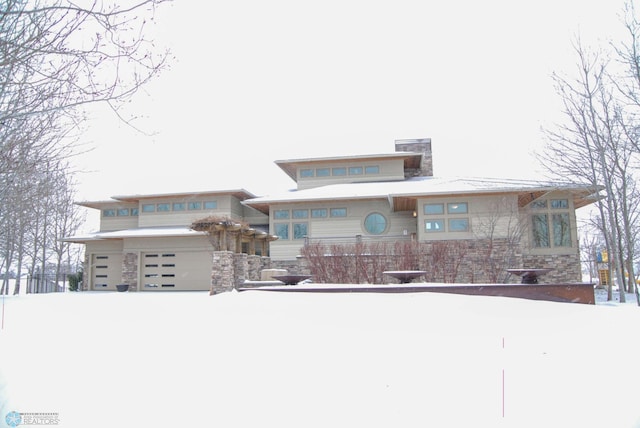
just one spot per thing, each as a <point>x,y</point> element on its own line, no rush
<point>338,212</point>
<point>355,170</point>
<point>210,205</point>
<point>134,211</point>
<point>339,171</point>
<point>194,205</point>
<point>109,212</point>
<point>148,208</point>
<point>306,173</point>
<point>123,212</point>
<point>179,206</point>
<point>323,172</point>
<point>550,224</point>
<point>372,169</point>
<point>162,207</point>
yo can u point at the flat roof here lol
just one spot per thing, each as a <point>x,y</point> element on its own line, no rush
<point>289,166</point>
<point>417,187</point>
<point>240,194</point>
<point>145,232</point>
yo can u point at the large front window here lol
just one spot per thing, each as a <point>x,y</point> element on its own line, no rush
<point>453,215</point>
<point>551,224</point>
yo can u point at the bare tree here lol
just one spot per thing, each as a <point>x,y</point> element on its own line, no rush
<point>56,57</point>
<point>591,145</point>
<point>500,230</point>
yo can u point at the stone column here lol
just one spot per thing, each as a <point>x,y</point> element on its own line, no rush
<point>240,269</point>
<point>222,274</point>
<point>255,266</point>
<point>130,270</point>
<point>86,275</point>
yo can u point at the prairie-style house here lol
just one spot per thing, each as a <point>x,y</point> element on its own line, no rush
<point>149,242</point>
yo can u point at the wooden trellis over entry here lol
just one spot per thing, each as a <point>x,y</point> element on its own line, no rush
<point>229,235</point>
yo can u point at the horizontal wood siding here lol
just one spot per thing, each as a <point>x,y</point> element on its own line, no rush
<point>390,169</point>
<point>195,243</point>
<point>226,206</point>
<point>400,225</point>
<point>118,222</point>
<point>110,245</point>
<point>253,216</point>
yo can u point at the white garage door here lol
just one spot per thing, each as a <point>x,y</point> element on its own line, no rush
<point>106,271</point>
<point>169,270</point>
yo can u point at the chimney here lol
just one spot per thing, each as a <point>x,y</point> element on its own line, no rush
<point>418,145</point>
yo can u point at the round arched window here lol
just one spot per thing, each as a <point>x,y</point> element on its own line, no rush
<point>375,223</point>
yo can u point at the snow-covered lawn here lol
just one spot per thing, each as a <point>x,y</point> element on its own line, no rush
<point>267,359</point>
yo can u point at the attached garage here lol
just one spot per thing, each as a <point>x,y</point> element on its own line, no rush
<point>175,270</point>
<point>106,271</point>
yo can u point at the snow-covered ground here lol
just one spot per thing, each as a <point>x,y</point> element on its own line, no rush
<point>266,359</point>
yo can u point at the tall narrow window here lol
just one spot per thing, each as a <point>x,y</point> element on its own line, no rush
<point>561,230</point>
<point>300,230</point>
<point>282,230</point>
<point>540,230</point>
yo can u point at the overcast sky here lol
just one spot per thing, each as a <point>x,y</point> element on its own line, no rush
<point>257,81</point>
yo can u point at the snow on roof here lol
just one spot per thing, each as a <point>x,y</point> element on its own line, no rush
<point>238,193</point>
<point>289,166</point>
<point>148,232</point>
<point>417,186</point>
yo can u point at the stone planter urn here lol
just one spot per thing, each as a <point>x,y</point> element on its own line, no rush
<point>122,287</point>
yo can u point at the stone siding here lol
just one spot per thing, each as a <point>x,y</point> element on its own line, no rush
<point>471,261</point>
<point>84,286</point>
<point>295,267</point>
<point>566,268</point>
<point>130,270</point>
<point>222,274</point>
